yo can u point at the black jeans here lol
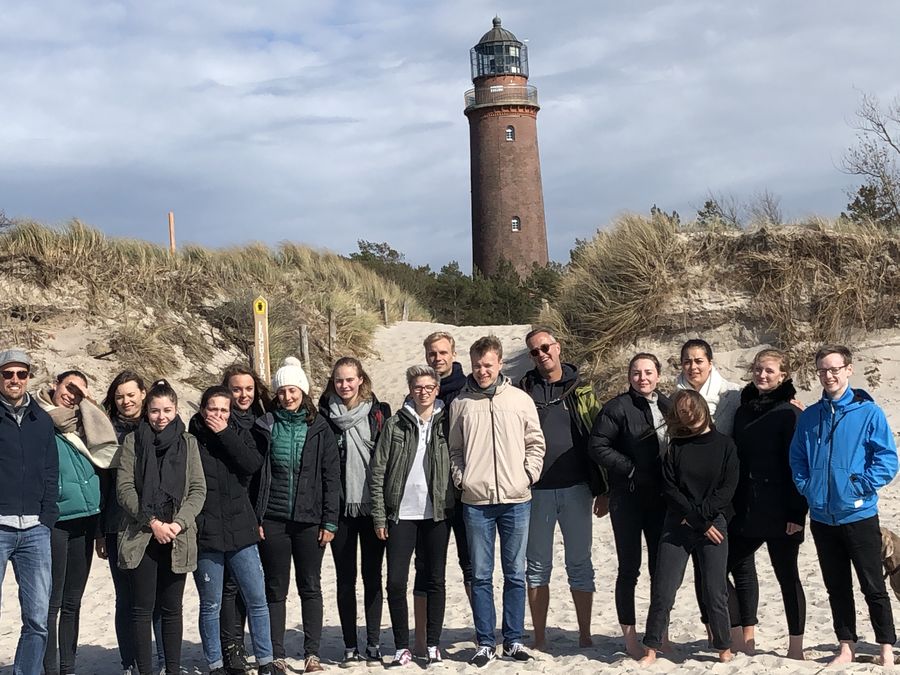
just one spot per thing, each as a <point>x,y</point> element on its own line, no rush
<point>743,595</point>
<point>676,545</point>
<point>361,530</point>
<point>300,541</point>
<point>154,584</point>
<point>233,613</point>
<point>123,620</point>
<point>420,583</point>
<point>71,551</point>
<point>858,543</point>
<point>631,516</point>
<point>429,540</point>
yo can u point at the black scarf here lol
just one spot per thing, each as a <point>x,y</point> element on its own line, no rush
<point>241,420</point>
<point>161,459</point>
<point>759,401</point>
<point>453,383</point>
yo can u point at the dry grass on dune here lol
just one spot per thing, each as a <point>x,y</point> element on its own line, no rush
<point>792,286</point>
<point>195,299</point>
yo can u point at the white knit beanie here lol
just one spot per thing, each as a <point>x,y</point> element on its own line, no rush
<point>291,374</point>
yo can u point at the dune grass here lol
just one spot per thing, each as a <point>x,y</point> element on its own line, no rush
<point>794,286</point>
<point>178,298</point>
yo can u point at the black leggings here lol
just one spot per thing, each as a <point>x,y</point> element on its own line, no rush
<point>71,551</point>
<point>631,516</point>
<point>361,530</point>
<point>743,595</point>
<point>420,583</point>
<point>300,541</point>
<point>154,584</point>
<point>233,613</point>
<point>429,540</point>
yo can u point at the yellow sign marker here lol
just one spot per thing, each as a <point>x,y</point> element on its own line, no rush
<point>261,339</point>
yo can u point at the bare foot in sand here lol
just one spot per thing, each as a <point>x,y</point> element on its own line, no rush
<point>649,658</point>
<point>725,656</point>
<point>887,657</point>
<point>633,647</point>
<point>795,648</point>
<point>845,655</point>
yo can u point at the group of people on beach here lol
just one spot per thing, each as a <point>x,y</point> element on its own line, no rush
<point>257,481</point>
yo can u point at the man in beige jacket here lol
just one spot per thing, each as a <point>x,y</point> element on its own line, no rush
<point>496,454</point>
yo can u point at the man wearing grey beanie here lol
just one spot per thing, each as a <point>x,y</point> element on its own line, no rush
<point>29,471</point>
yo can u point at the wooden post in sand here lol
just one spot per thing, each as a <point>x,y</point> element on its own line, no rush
<point>261,339</point>
<point>332,332</point>
<point>172,232</point>
<point>405,314</point>
<point>545,306</point>
<point>304,346</point>
<point>384,311</point>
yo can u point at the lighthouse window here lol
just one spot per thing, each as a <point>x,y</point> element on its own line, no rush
<point>516,224</point>
<point>510,133</point>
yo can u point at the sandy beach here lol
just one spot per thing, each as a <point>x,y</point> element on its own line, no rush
<point>396,348</point>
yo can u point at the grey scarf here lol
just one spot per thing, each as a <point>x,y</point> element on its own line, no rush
<point>358,447</point>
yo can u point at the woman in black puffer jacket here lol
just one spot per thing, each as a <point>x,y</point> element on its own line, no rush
<point>627,440</point>
<point>769,510</point>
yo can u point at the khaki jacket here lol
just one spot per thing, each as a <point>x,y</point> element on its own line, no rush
<point>135,535</point>
<point>496,445</point>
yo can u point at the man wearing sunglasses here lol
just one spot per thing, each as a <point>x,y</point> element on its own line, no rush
<point>29,471</point>
<point>842,453</point>
<point>569,481</point>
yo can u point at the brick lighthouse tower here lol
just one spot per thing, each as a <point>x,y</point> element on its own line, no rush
<point>507,198</point>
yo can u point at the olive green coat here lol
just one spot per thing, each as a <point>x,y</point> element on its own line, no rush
<point>135,533</point>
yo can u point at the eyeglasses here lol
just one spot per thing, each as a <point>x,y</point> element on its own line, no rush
<point>18,374</point>
<point>424,388</point>
<point>822,372</point>
<point>543,348</point>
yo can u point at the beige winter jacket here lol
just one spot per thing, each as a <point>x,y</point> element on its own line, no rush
<point>496,445</point>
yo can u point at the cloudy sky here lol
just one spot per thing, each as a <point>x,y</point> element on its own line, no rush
<point>326,122</point>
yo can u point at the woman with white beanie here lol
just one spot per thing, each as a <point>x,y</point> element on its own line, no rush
<point>298,497</point>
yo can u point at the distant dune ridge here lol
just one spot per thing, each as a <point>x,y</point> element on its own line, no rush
<point>72,296</point>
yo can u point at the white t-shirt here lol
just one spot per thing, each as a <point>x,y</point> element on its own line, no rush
<point>416,502</point>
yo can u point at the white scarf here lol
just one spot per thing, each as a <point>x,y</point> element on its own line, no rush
<point>710,391</point>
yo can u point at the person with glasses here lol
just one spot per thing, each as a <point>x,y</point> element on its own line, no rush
<point>496,455</point>
<point>29,472</point>
<point>564,493</point>
<point>412,500</point>
<point>842,453</point>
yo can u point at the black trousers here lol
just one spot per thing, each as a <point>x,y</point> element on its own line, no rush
<point>232,614</point>
<point>632,516</point>
<point>676,545</point>
<point>298,541</point>
<point>743,595</point>
<point>71,552</point>
<point>429,540</point>
<point>420,583</point>
<point>859,544</point>
<point>154,584</point>
<point>353,533</point>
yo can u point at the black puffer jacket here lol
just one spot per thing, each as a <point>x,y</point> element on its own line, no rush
<point>112,517</point>
<point>230,458</point>
<point>766,499</point>
<point>624,440</point>
<point>318,480</point>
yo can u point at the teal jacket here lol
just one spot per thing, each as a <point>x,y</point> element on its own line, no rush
<point>392,463</point>
<point>79,483</point>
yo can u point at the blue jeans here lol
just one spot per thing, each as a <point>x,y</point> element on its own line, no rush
<point>29,551</point>
<point>482,525</point>
<point>246,568</point>
<point>572,508</point>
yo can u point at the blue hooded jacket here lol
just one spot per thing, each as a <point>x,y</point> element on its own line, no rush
<point>842,452</point>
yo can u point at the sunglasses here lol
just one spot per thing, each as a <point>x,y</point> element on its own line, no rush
<point>543,348</point>
<point>18,374</point>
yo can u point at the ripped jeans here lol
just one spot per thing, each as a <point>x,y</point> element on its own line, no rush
<point>246,569</point>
